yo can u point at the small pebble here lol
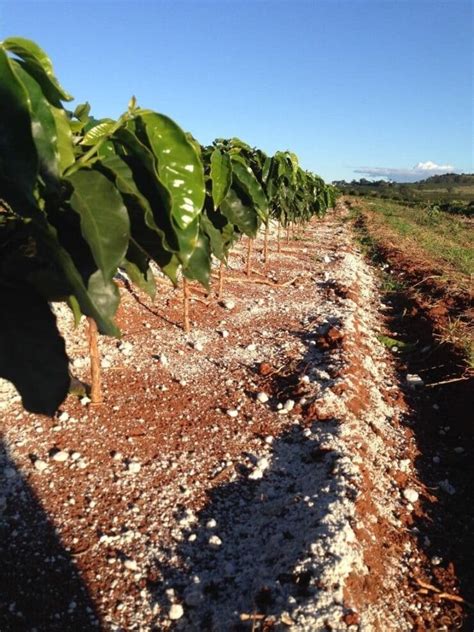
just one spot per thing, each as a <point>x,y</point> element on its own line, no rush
<point>228,304</point>
<point>414,380</point>
<point>251,347</point>
<point>305,379</point>
<point>134,468</point>
<point>262,397</point>
<point>198,346</point>
<point>411,495</point>
<point>224,333</point>
<point>211,524</point>
<point>63,417</point>
<point>163,358</point>
<point>232,412</point>
<point>60,456</point>
<point>131,565</point>
<point>289,405</point>
<point>215,542</point>
<point>85,401</point>
<point>40,465</point>
<point>175,612</point>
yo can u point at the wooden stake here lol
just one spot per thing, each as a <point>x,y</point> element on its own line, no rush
<point>186,323</point>
<point>221,280</point>
<point>96,388</point>
<point>265,242</point>
<point>249,257</point>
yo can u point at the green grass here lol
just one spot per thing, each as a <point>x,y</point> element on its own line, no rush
<point>443,236</point>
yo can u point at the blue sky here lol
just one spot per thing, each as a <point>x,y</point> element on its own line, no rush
<point>355,88</point>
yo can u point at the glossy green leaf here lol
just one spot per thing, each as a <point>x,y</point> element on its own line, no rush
<point>220,232</point>
<point>240,213</point>
<point>98,132</point>
<point>198,267</point>
<point>64,139</point>
<point>43,125</point>
<point>244,175</point>
<point>179,167</point>
<point>63,259</point>
<point>137,266</point>
<point>104,220</point>
<point>37,63</point>
<point>18,156</point>
<point>221,176</point>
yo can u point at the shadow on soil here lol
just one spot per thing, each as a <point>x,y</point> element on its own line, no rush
<point>40,586</point>
<point>441,419</point>
<point>263,561</point>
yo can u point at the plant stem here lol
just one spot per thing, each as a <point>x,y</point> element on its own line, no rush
<point>221,280</point>
<point>278,238</point>
<point>249,256</point>
<point>186,323</point>
<point>93,338</point>
<point>265,242</point>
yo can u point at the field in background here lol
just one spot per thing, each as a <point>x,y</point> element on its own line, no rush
<point>429,252</point>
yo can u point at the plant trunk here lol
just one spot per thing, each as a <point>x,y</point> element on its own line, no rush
<point>265,242</point>
<point>221,280</point>
<point>278,238</point>
<point>288,234</point>
<point>93,338</point>
<point>249,257</point>
<point>186,323</point>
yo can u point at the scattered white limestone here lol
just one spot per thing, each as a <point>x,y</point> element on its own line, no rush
<point>414,380</point>
<point>60,456</point>
<point>175,612</point>
<point>130,565</point>
<point>134,467</point>
<point>232,412</point>
<point>215,542</point>
<point>411,495</point>
<point>40,465</point>
<point>262,397</point>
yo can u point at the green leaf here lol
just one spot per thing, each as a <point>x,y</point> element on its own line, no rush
<point>104,293</point>
<point>37,63</point>
<point>75,308</point>
<point>18,156</point>
<point>43,125</point>
<point>104,220</point>
<point>220,232</point>
<point>240,212</point>
<point>198,267</point>
<point>179,167</point>
<point>32,352</point>
<point>64,139</point>
<point>244,175</point>
<point>49,236</point>
<point>221,176</point>
<point>136,265</point>
<point>98,132</point>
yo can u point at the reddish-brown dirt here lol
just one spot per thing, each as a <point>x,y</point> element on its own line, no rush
<point>100,540</point>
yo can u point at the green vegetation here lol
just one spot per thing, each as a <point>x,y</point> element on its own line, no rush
<point>453,193</point>
<point>444,237</point>
<point>81,198</point>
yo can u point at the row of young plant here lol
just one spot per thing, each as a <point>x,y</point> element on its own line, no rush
<point>81,198</point>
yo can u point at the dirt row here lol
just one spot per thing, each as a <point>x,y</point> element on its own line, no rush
<point>268,471</point>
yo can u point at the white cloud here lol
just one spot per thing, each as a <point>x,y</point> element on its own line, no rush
<point>418,172</point>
